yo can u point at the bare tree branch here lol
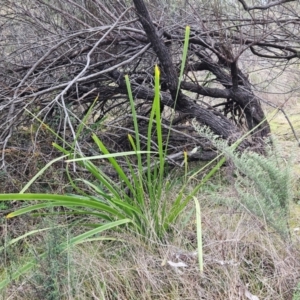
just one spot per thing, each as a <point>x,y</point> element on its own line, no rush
<point>263,7</point>
<point>57,57</point>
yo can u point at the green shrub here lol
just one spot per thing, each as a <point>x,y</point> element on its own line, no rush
<point>264,186</point>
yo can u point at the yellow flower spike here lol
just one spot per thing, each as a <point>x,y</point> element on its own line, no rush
<point>132,142</point>
<point>9,216</point>
<point>185,155</point>
<point>185,159</point>
<point>157,71</point>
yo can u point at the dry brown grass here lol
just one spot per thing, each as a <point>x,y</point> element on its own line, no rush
<point>242,257</point>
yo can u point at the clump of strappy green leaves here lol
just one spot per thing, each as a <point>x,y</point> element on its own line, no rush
<point>135,199</point>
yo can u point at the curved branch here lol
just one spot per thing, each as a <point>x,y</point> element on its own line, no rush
<point>288,57</point>
<point>264,7</point>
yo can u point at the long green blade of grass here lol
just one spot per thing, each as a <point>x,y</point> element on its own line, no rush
<point>108,155</point>
<point>135,122</point>
<point>199,234</point>
<point>184,54</point>
<point>80,238</point>
<point>57,200</point>
<point>13,241</point>
<point>137,178</point>
<point>40,172</point>
<point>159,128</point>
